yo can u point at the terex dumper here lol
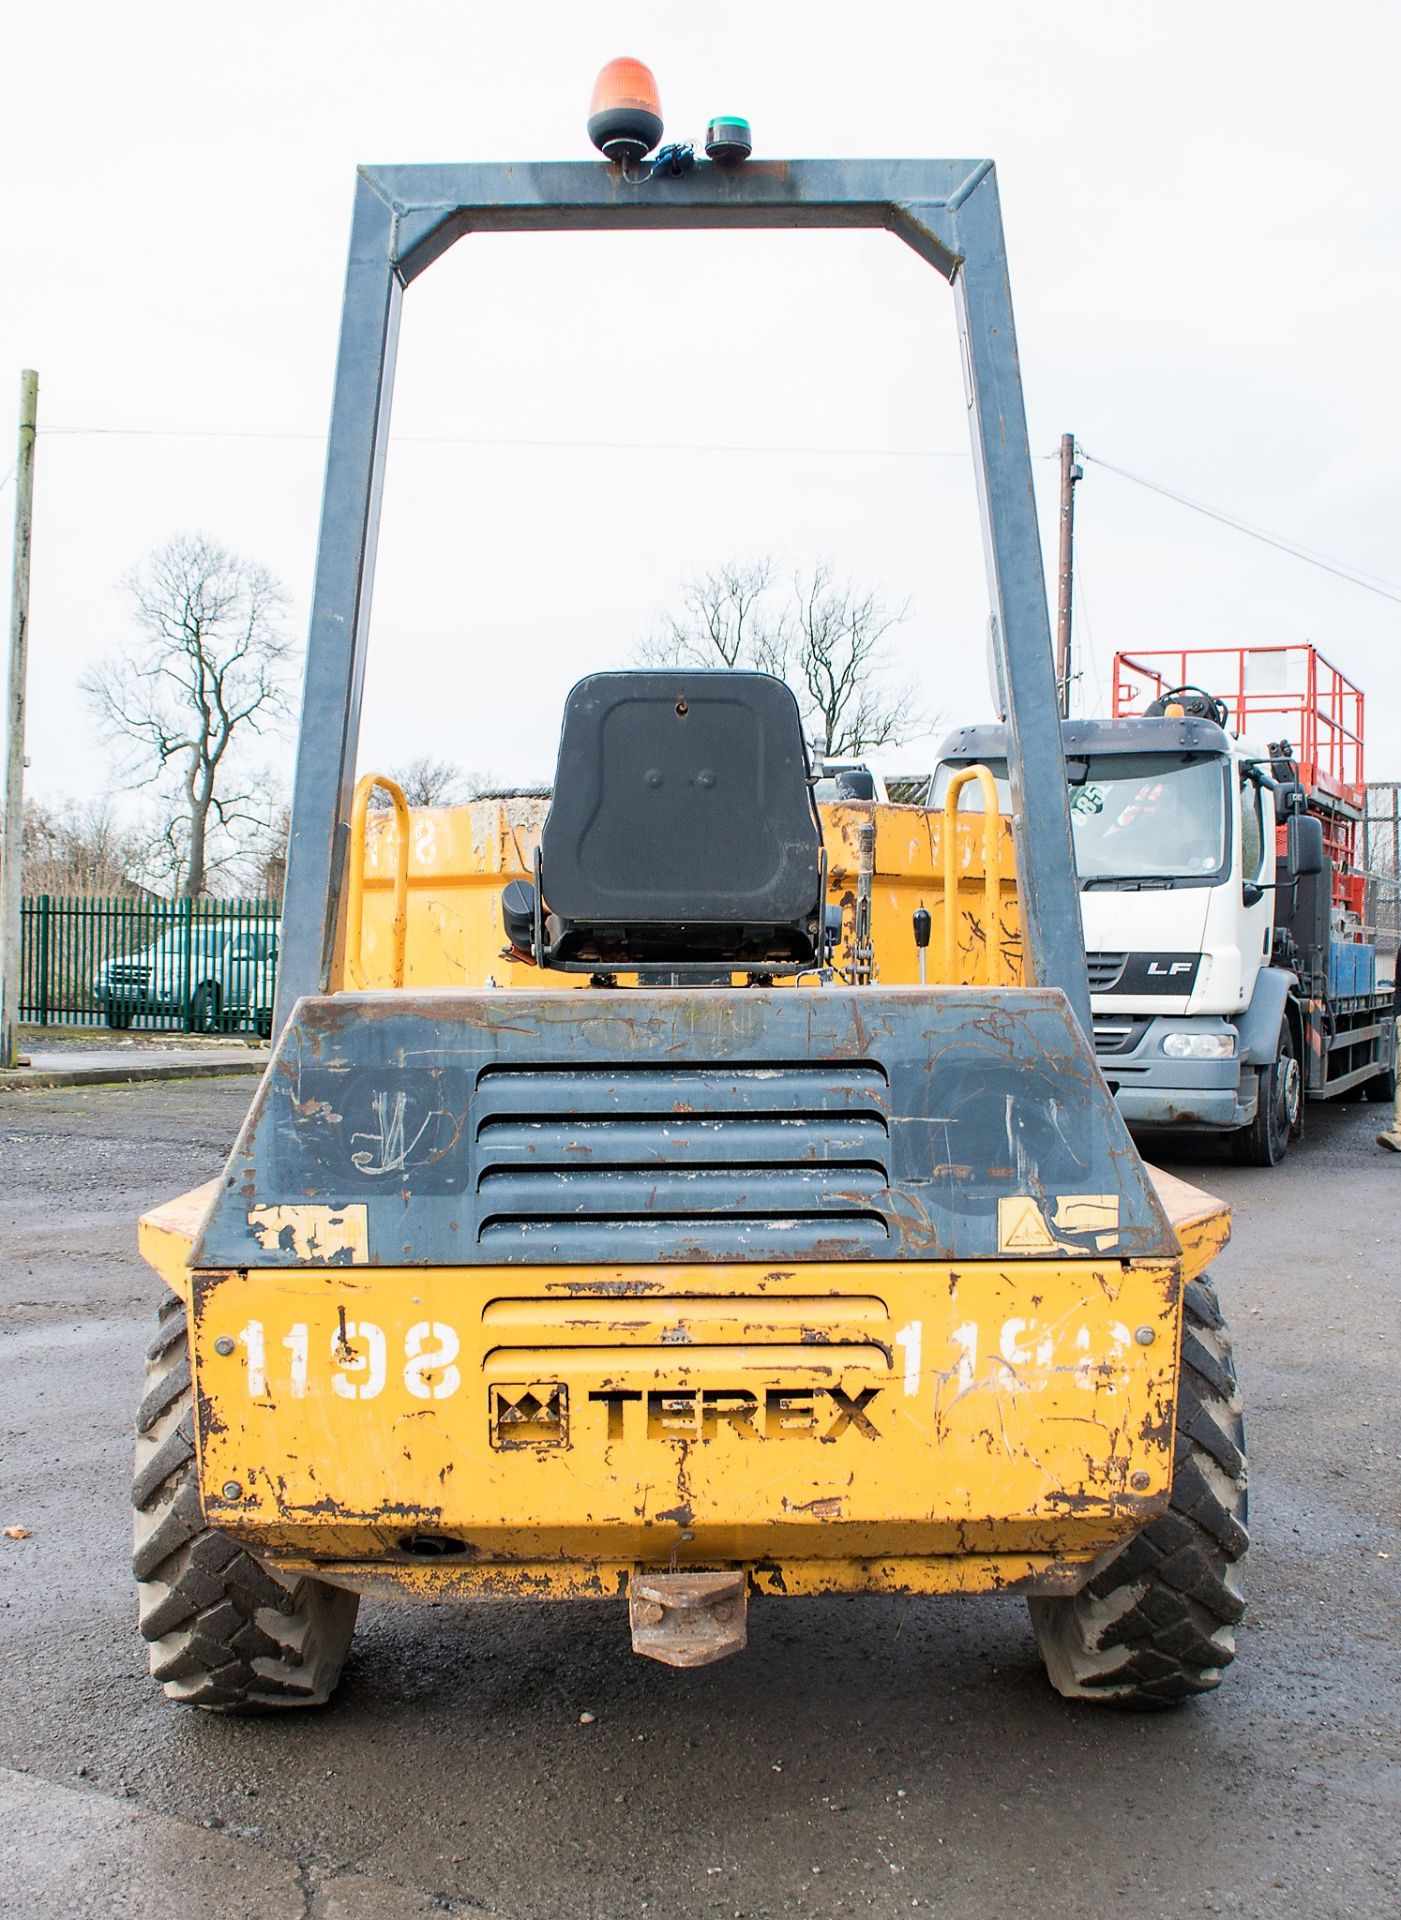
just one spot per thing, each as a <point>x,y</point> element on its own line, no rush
<point>1220,891</point>
<point>618,1215</point>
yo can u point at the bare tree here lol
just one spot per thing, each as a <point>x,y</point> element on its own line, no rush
<point>724,621</point>
<point>267,853</point>
<point>427,782</point>
<point>209,669</point>
<point>839,666</point>
<point>829,642</point>
<point>79,847</point>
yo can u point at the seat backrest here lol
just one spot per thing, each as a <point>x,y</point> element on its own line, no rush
<point>682,808</point>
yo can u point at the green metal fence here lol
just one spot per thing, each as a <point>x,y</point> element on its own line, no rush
<point>192,966</point>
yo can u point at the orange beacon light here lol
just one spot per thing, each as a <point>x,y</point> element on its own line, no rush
<point>625,114</point>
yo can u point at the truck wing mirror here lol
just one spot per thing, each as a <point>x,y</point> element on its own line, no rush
<point>1304,853</point>
<point>855,783</point>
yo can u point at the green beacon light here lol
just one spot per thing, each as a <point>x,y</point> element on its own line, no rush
<point>728,140</point>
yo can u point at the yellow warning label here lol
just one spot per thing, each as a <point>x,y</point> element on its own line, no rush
<point>1022,1226</point>
<point>320,1236</point>
<point>1096,1213</point>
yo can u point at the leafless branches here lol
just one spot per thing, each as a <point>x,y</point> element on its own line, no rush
<point>427,782</point>
<point>839,660</point>
<point>210,668</point>
<point>828,641</point>
<point>79,847</point>
<point>724,621</point>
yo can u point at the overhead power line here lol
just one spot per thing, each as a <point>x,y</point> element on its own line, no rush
<point>1372,582</point>
<point>515,440</point>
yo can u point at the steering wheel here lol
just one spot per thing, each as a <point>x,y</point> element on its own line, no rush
<point>1217,707</point>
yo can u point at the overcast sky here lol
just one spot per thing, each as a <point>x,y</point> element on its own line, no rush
<point>1203,206</point>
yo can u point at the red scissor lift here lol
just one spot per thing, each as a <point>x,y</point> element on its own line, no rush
<point>1277,694</point>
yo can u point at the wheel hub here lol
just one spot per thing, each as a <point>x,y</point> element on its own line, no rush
<point>1289,1092</point>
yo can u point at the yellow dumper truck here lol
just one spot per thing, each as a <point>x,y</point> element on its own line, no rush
<point>676,1193</point>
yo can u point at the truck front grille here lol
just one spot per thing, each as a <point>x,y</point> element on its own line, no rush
<point>1119,1033</point>
<point>1105,970</point>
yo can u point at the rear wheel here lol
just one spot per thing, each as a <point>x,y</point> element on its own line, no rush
<point>1382,1086</point>
<point>1156,1624</point>
<point>226,1630</point>
<point>1278,1111</point>
<point>204,1008</point>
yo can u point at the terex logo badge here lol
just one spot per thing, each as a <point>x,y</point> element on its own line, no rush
<point>532,1416</point>
<point>782,1413</point>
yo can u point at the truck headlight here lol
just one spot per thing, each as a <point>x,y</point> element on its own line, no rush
<point>1200,1046</point>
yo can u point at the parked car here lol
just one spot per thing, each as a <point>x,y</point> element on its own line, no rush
<point>214,976</point>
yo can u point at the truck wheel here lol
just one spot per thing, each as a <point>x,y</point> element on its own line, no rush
<point>1278,1110</point>
<point>1157,1623</point>
<point>226,1631</point>
<point>1382,1086</point>
<point>117,1017</point>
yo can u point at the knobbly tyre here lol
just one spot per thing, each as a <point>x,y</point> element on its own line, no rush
<point>617,1216</point>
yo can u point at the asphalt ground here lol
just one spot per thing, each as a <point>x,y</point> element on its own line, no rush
<point>86,1056</point>
<point>862,1757</point>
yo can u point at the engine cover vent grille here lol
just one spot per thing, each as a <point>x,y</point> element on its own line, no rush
<point>715,1154</point>
<point>610,1129</point>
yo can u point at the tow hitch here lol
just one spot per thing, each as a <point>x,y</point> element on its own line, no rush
<point>687,1619</point>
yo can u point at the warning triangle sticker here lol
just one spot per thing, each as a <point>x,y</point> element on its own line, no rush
<point>1021,1227</point>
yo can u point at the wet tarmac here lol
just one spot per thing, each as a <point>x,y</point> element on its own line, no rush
<point>863,1757</point>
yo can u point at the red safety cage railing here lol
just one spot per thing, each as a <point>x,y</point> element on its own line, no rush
<point>1273,694</point>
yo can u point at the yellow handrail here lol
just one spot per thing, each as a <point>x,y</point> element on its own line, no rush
<point>992,873</point>
<point>355,908</point>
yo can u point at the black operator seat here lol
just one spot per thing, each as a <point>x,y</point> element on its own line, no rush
<point>682,827</point>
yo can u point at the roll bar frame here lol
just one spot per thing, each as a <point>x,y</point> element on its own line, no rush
<point>406,217</point>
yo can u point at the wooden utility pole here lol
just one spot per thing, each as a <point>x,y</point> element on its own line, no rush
<point>1070,472</point>
<point>10,877</point>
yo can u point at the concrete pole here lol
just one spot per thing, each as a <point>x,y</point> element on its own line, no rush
<point>1070,472</point>
<point>10,876</point>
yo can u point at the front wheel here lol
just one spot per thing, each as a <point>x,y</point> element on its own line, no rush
<point>117,1016</point>
<point>226,1630</point>
<point>1279,1109</point>
<point>1156,1624</point>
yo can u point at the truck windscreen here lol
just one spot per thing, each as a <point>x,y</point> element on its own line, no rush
<point>1151,818</point>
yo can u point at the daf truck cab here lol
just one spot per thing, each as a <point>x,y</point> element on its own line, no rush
<point>1204,897</point>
